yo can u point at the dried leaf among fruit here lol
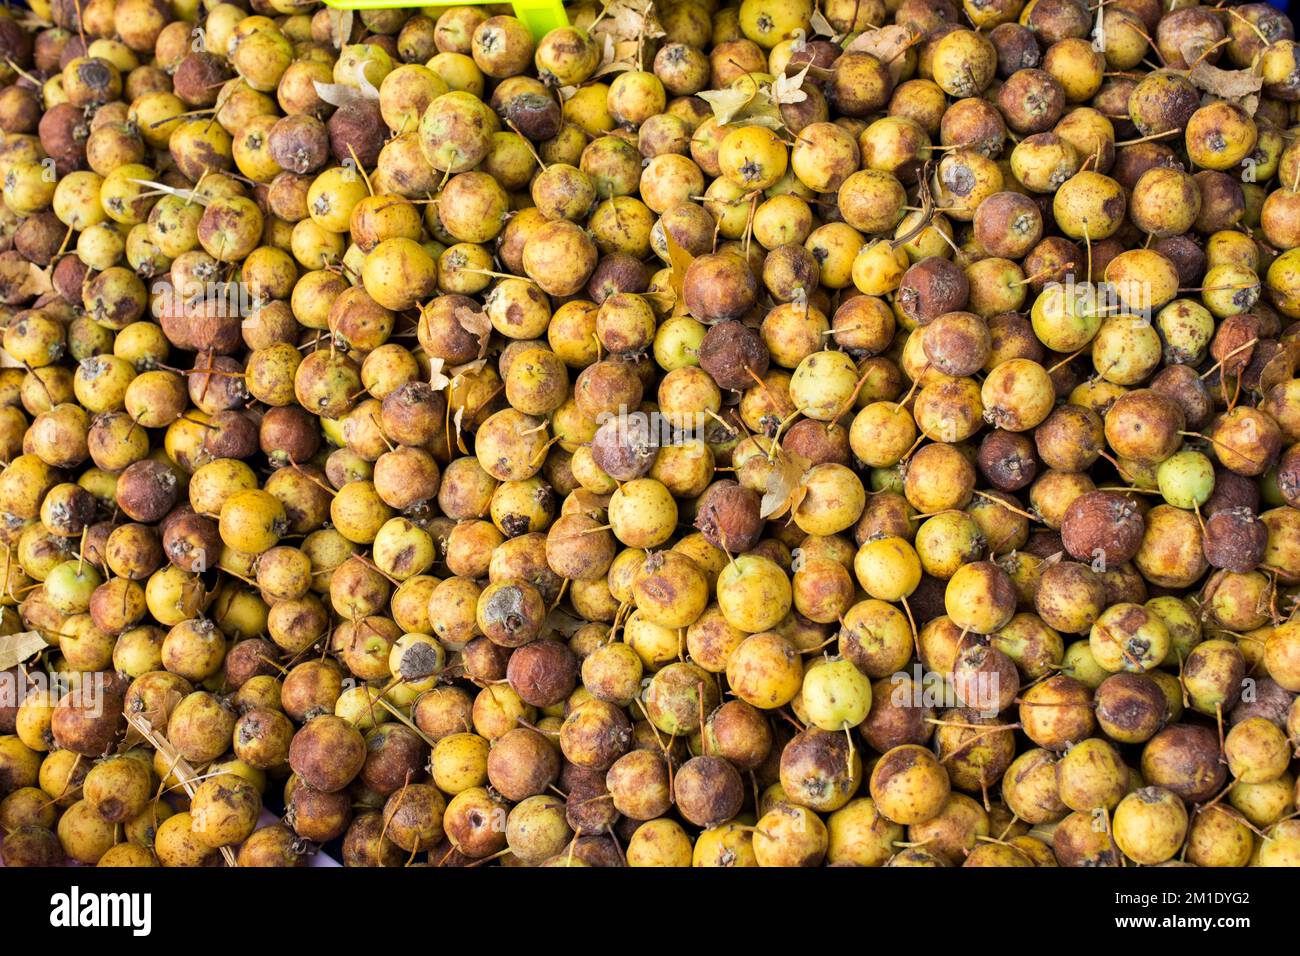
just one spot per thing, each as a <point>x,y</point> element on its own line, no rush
<point>19,648</point>
<point>1237,86</point>
<point>477,323</point>
<point>789,89</point>
<point>785,487</point>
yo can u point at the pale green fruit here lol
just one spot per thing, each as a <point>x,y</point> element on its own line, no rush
<point>836,695</point>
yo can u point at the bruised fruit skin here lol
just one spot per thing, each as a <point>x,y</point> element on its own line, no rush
<point>718,287</point>
<point>1102,525</point>
<point>708,790</point>
<point>931,288</point>
<point>1186,760</point>
<point>733,355</point>
<point>542,673</point>
<point>728,516</point>
<point>1130,707</point>
<point>328,755</point>
<point>818,771</point>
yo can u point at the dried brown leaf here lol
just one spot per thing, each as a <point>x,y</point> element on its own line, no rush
<point>437,380</point>
<point>746,104</point>
<point>889,44</point>
<point>341,94</point>
<point>630,20</point>
<point>1270,370</point>
<point>727,104</point>
<point>458,370</point>
<point>38,281</point>
<point>477,323</point>
<point>457,423</point>
<point>785,488</point>
<point>1229,84</point>
<point>157,716</point>
<point>614,66</point>
<point>610,61</point>
<point>679,260</point>
<point>564,623</point>
<point>789,89</point>
<point>340,22</point>
<point>1237,86</point>
<point>820,26</point>
<point>19,648</point>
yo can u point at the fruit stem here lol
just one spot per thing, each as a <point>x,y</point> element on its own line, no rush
<point>1146,139</point>
<point>911,622</point>
<point>536,157</point>
<point>1067,360</point>
<point>1014,510</point>
<point>312,478</point>
<point>1031,279</point>
<point>1206,52</point>
<point>1242,347</point>
<point>1221,444</point>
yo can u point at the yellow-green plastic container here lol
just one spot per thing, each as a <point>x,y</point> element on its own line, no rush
<point>541,16</point>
